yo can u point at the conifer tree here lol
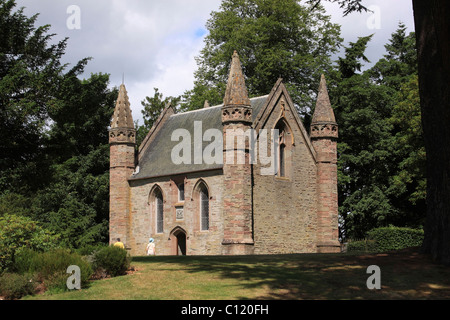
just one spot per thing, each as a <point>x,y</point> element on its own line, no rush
<point>273,39</point>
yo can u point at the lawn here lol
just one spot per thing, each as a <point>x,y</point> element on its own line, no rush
<point>404,275</point>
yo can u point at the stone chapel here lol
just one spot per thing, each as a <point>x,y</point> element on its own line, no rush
<point>227,207</point>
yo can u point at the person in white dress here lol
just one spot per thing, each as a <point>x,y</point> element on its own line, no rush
<point>151,247</point>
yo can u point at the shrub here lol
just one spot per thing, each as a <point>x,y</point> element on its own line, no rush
<point>365,245</point>
<point>23,260</point>
<point>51,267</point>
<point>16,286</point>
<point>395,238</point>
<point>387,239</point>
<point>18,233</point>
<point>115,261</point>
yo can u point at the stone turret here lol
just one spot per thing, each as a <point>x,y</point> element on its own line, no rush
<point>324,134</point>
<point>237,197</point>
<point>122,141</point>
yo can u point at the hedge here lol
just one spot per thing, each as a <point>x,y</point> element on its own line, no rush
<point>394,238</point>
<point>365,245</point>
<point>387,239</point>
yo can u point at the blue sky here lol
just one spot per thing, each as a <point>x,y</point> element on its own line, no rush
<point>154,43</point>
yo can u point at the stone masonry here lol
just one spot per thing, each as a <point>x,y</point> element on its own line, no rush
<point>247,210</point>
<point>122,140</point>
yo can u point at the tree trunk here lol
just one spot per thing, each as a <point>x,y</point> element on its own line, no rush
<point>432,26</point>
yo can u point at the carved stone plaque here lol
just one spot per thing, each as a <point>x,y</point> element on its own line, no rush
<point>179,213</point>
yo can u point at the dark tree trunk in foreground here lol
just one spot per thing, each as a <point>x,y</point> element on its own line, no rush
<point>432,24</point>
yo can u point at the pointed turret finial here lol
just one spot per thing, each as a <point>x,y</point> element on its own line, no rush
<point>206,105</point>
<point>236,93</point>
<point>122,129</point>
<point>323,124</point>
<point>122,117</point>
<point>323,112</point>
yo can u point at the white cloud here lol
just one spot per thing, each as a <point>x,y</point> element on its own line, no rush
<point>382,22</point>
<point>154,42</point>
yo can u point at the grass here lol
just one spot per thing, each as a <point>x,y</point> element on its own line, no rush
<point>404,275</point>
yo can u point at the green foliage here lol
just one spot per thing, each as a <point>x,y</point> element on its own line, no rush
<point>153,106</point>
<point>90,249</point>
<point>18,233</point>
<point>273,39</point>
<point>51,267</point>
<point>15,286</point>
<point>115,261</point>
<point>77,210</point>
<point>23,260</point>
<point>381,158</point>
<point>349,65</point>
<point>54,156</point>
<point>14,204</point>
<point>81,113</point>
<point>407,121</point>
<point>364,245</point>
<point>31,73</point>
<point>386,239</point>
<point>394,238</point>
<point>348,6</point>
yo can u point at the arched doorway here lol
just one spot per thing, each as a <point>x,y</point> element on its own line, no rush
<point>178,238</point>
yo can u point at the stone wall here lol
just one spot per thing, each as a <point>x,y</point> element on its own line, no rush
<point>327,206</point>
<point>143,216</point>
<point>285,214</point>
<point>237,193</point>
<point>121,167</point>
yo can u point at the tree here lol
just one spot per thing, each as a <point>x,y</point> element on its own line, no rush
<point>80,115</point>
<point>399,62</point>
<point>274,39</point>
<point>380,168</point>
<point>351,64</point>
<point>432,34</point>
<point>153,106</point>
<point>75,200</point>
<point>361,109</point>
<point>432,28</point>
<point>410,179</point>
<point>30,74</point>
<point>54,156</point>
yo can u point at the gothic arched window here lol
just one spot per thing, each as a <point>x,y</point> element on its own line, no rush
<point>284,149</point>
<point>159,210</point>
<point>181,192</point>
<point>204,206</point>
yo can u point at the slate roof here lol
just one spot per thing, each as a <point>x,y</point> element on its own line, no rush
<point>157,161</point>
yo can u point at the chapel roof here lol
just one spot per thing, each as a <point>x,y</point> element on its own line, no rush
<point>156,160</point>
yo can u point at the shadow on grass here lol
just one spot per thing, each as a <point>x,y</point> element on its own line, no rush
<point>404,275</point>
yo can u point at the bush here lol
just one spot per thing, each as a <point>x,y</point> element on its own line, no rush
<point>395,238</point>
<point>365,245</point>
<point>387,239</point>
<point>23,260</point>
<point>18,233</point>
<point>115,261</point>
<point>51,267</point>
<point>16,286</point>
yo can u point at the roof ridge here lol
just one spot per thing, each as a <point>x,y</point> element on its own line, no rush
<point>217,106</point>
